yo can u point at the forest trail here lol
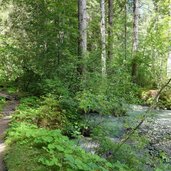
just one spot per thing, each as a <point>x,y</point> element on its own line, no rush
<point>4,121</point>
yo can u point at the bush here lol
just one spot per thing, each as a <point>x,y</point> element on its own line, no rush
<point>165,100</point>
<point>46,114</point>
<point>54,86</point>
<point>50,114</point>
<point>48,150</point>
<point>101,103</point>
<point>127,154</point>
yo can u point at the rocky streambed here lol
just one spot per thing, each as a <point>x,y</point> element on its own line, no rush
<point>157,129</point>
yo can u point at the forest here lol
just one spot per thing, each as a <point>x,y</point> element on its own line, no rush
<point>85,85</point>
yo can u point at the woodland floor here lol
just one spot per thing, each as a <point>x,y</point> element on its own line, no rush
<point>158,129</point>
<point>4,121</point>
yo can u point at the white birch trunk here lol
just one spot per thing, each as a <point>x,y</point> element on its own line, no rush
<point>103,38</point>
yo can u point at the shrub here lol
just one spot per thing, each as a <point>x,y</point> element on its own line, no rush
<point>101,103</point>
<point>54,86</point>
<point>48,150</point>
<point>165,99</point>
<point>46,114</point>
<point>50,114</point>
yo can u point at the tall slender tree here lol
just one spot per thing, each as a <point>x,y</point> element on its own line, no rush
<point>135,39</point>
<point>125,25</point>
<point>82,16</point>
<point>135,25</point>
<point>103,38</point>
<point>169,54</point>
<point>110,30</point>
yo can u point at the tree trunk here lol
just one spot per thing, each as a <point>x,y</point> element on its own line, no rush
<point>82,17</point>
<point>135,40</point>
<point>103,38</point>
<point>125,25</point>
<point>135,26</point>
<point>110,32</point>
<point>169,54</point>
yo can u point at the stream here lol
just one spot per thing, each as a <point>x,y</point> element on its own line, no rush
<point>157,129</point>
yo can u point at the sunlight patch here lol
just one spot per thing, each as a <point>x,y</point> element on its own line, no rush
<point>2,147</point>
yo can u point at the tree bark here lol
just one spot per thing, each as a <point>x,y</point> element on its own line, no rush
<point>135,40</point>
<point>125,29</point>
<point>135,25</point>
<point>103,38</point>
<point>169,54</point>
<point>82,17</point>
<point>110,31</point>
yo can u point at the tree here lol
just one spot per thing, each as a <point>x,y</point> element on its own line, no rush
<point>103,38</point>
<point>169,54</point>
<point>110,32</point>
<point>135,39</point>
<point>125,25</point>
<point>82,15</point>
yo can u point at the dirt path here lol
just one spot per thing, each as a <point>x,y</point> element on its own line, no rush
<point>7,111</point>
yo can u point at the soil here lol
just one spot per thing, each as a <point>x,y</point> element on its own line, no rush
<point>4,121</point>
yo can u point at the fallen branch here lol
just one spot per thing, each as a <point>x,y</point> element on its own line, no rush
<point>153,105</point>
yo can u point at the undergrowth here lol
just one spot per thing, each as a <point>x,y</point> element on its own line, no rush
<point>37,146</point>
<point>2,104</point>
<point>37,141</point>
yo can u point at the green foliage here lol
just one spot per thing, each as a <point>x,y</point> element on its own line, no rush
<point>44,47</point>
<point>39,55</point>
<point>29,81</point>
<point>126,155</point>
<point>132,153</point>
<point>165,100</point>
<point>111,97</point>
<point>27,110</point>
<point>89,102</point>
<point>2,103</point>
<point>31,101</point>
<point>50,149</point>
<point>54,86</point>
<point>39,47</point>
<point>47,114</point>
<point>50,114</point>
